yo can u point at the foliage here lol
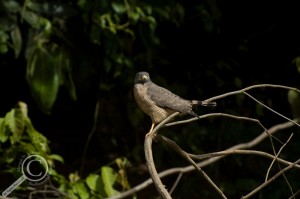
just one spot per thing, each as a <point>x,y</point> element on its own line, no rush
<point>18,131</point>
<point>96,185</point>
<point>62,57</point>
<point>48,65</point>
<point>38,29</point>
<point>18,136</point>
<point>100,184</point>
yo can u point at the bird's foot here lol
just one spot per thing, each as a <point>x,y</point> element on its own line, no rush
<point>150,131</point>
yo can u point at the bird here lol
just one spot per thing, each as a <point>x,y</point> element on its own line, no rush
<point>158,102</point>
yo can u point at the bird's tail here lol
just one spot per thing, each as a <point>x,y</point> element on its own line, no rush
<point>203,103</point>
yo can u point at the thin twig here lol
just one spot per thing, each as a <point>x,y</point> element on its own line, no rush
<point>234,117</point>
<point>48,189</point>
<point>86,146</point>
<point>270,109</point>
<point>276,159</point>
<point>175,183</point>
<point>43,192</point>
<point>243,152</point>
<point>209,161</point>
<point>295,194</point>
<point>253,142</point>
<point>249,88</point>
<point>51,186</point>
<point>223,115</point>
<point>262,104</point>
<point>270,180</point>
<point>257,86</point>
<point>181,152</point>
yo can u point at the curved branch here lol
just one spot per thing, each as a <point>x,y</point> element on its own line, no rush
<point>181,152</point>
<point>209,161</point>
<point>253,142</point>
<point>243,152</point>
<point>149,159</point>
<point>249,88</point>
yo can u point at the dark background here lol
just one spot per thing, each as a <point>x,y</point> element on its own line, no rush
<point>211,48</point>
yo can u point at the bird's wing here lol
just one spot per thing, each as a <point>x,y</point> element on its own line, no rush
<point>166,99</point>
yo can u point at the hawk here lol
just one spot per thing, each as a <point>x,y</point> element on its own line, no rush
<point>158,102</point>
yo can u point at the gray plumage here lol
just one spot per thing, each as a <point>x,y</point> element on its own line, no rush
<point>158,102</point>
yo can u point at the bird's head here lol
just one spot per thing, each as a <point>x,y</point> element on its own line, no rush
<point>141,78</point>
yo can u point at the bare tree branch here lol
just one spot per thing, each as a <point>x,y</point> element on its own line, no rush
<point>181,152</point>
<point>176,183</point>
<point>262,104</point>
<point>295,194</point>
<point>149,138</point>
<point>149,159</point>
<point>270,180</point>
<point>209,161</point>
<point>223,115</point>
<point>253,142</point>
<point>252,87</point>
<point>47,191</point>
<point>242,152</point>
<point>276,158</point>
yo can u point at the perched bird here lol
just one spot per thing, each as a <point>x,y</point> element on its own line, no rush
<point>158,102</point>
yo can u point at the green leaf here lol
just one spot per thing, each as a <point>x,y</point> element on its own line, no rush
<point>27,147</point>
<point>66,79</point>
<point>109,177</point>
<point>71,194</point>
<point>7,23</point>
<point>4,133</point>
<point>81,190</point>
<point>23,108</point>
<point>3,48</point>
<point>294,101</point>
<point>16,124</point>
<point>180,10</point>
<point>56,157</point>
<point>119,8</point>
<point>44,77</point>
<point>297,62</point>
<point>38,140</point>
<point>3,42</point>
<point>148,9</point>
<point>82,3</point>
<point>134,17</point>
<point>122,175</point>
<point>74,177</point>
<point>95,183</point>
<point>37,22</point>
<point>31,18</point>
<point>11,6</point>
<point>17,40</point>
<point>151,20</point>
<point>95,34</point>
<point>52,8</point>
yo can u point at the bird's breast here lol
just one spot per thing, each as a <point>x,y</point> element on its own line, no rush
<point>148,106</point>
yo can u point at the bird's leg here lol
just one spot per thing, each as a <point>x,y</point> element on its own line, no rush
<point>152,126</point>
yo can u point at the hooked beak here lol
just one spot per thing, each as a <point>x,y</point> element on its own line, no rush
<point>144,78</point>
